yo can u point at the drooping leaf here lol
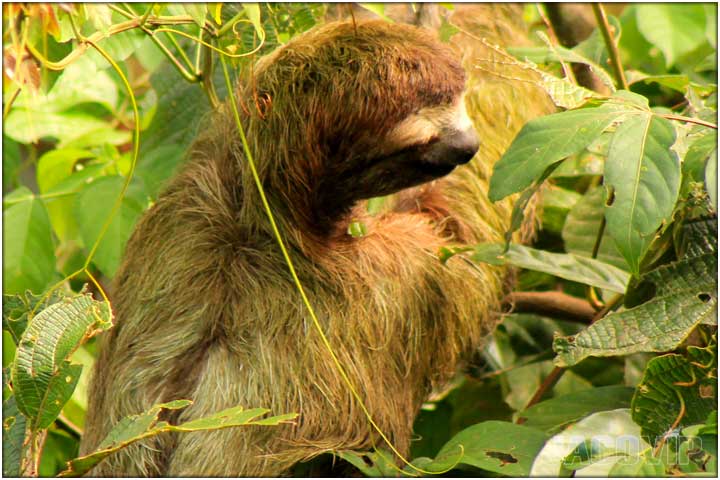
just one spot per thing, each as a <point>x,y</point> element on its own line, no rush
<point>499,447</point>
<point>12,439</point>
<point>137,427</point>
<point>28,250</point>
<point>644,174</point>
<point>676,391</point>
<point>567,266</point>
<point>558,412</point>
<point>545,141</point>
<point>43,378</point>
<point>685,295</point>
<point>94,205</point>
<point>582,226</point>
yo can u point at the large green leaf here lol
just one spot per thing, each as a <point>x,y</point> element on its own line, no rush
<point>582,226</point>
<point>645,175</point>
<point>42,376</point>
<point>676,29</point>
<point>676,391</point>
<point>28,251</point>
<point>685,295</point>
<point>545,141</point>
<point>94,205</point>
<point>137,427</point>
<point>556,413</point>
<point>567,266</point>
<point>54,167</point>
<point>12,438</point>
<point>498,447</point>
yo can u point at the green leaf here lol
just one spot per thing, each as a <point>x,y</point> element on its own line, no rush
<point>678,83</point>
<point>676,391</point>
<point>375,464</point>
<point>29,252</point>
<point>558,412</point>
<point>43,379</point>
<point>567,266</point>
<point>697,156</point>
<point>197,11</point>
<point>29,126</point>
<point>498,447</point>
<point>685,295</point>
<point>644,465</point>
<point>556,204</point>
<point>92,208</point>
<point>12,438</point>
<point>645,175</point>
<point>586,453</point>
<point>157,166</point>
<point>19,309</point>
<point>252,10</point>
<point>137,427</point>
<point>676,29</point>
<point>545,141</point>
<point>53,167</point>
<point>582,226</point>
<point>617,431</point>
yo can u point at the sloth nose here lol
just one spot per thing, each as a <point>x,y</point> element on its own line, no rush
<point>457,147</point>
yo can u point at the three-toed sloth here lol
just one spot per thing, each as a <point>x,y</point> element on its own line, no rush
<point>207,310</point>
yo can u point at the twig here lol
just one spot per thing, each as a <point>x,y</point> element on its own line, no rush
<point>544,387</point>
<point>696,121</point>
<point>69,426</point>
<point>554,41</point>
<point>555,304</point>
<point>604,28</point>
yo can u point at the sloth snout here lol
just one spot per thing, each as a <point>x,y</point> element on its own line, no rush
<point>456,148</point>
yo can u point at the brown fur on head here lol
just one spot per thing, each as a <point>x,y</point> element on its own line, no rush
<point>205,308</point>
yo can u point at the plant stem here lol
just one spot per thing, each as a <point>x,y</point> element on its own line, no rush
<point>604,28</point>
<point>696,121</point>
<point>547,384</point>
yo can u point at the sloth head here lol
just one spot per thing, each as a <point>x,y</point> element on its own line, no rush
<point>350,112</point>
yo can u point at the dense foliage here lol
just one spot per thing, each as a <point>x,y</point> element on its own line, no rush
<point>101,101</point>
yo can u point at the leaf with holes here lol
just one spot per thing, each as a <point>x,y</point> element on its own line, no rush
<point>676,391</point>
<point>137,427</point>
<point>42,377</point>
<point>685,296</point>
<point>498,447</point>
<point>12,438</point>
<point>644,174</point>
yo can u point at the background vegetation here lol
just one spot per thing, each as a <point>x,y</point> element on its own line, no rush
<point>608,364</point>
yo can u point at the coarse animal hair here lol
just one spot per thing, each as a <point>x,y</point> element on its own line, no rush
<point>206,309</point>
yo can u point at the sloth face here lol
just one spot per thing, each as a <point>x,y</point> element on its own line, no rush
<point>359,111</point>
<point>425,146</point>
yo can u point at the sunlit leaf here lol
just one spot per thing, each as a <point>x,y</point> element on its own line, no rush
<point>28,249</point>
<point>644,174</point>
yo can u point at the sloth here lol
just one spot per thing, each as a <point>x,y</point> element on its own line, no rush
<point>206,309</point>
